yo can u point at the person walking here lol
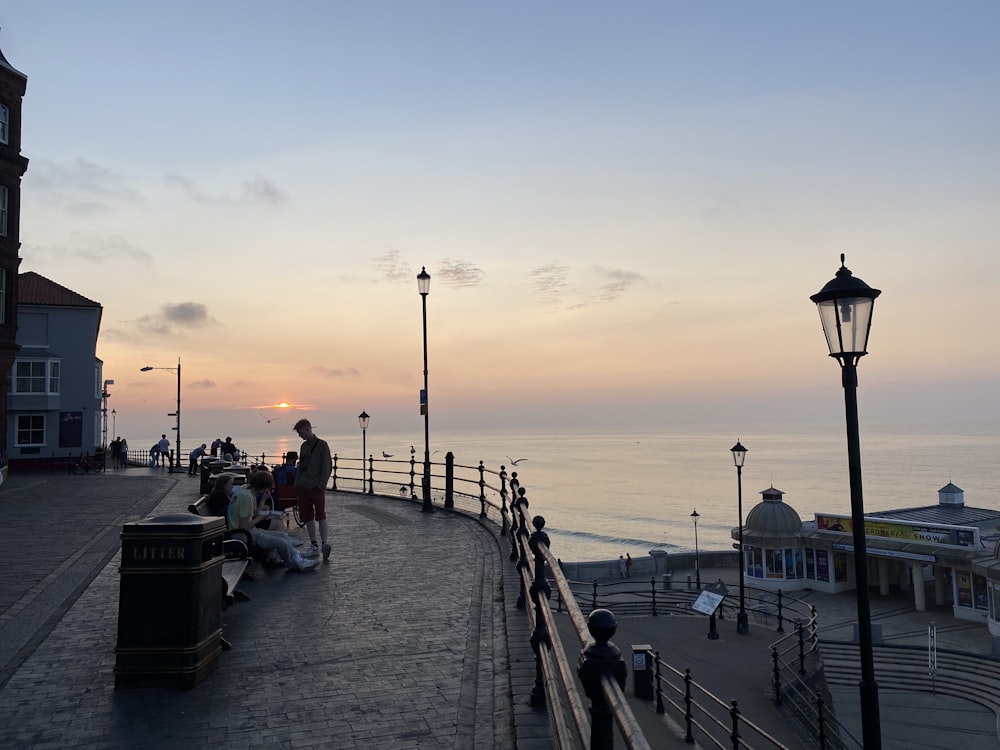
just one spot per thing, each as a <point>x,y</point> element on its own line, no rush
<point>628,565</point>
<point>164,447</point>
<point>315,467</point>
<point>123,452</point>
<point>622,567</point>
<point>115,449</point>
<point>193,457</point>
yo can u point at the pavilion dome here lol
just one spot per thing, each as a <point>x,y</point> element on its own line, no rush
<point>773,515</point>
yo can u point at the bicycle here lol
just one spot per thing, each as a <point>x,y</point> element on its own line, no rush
<point>88,465</point>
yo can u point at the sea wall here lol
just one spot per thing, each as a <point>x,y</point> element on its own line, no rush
<point>656,563</point>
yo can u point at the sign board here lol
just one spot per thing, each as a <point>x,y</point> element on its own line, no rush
<point>707,602</point>
<point>955,536</point>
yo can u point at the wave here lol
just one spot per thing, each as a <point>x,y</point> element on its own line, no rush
<point>618,541</point>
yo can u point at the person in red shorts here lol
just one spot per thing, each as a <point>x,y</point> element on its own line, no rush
<point>314,469</point>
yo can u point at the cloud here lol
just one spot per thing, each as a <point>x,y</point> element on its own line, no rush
<point>255,191</point>
<point>206,383</point>
<point>172,318</point>
<point>91,246</point>
<point>460,273</point>
<point>549,281</point>
<point>389,268</point>
<point>618,282</point>
<point>79,187</point>
<point>335,372</point>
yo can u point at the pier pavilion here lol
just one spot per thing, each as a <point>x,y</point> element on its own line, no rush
<point>950,548</point>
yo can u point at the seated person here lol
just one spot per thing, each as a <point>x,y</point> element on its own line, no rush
<point>218,500</point>
<point>270,517</point>
<point>243,515</point>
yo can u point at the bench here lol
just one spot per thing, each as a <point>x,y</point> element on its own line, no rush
<point>236,548</point>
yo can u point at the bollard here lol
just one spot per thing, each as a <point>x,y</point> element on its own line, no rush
<point>668,581</point>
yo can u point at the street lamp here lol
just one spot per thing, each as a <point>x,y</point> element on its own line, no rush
<point>114,422</point>
<point>424,287</point>
<point>739,456</point>
<point>104,414</point>
<point>177,413</point>
<point>845,310</point>
<point>363,421</point>
<point>697,561</point>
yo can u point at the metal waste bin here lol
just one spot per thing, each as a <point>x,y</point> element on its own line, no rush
<point>642,671</point>
<point>170,603</point>
<point>210,469</point>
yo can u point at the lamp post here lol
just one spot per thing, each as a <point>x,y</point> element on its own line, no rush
<point>739,456</point>
<point>363,421</point>
<point>104,414</point>
<point>114,422</point>
<point>845,310</point>
<point>697,562</point>
<point>424,287</point>
<point>177,413</point>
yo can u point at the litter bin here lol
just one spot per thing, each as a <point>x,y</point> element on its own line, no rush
<point>642,671</point>
<point>209,469</point>
<point>170,601</point>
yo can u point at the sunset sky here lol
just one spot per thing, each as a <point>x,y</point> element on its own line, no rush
<point>624,207</point>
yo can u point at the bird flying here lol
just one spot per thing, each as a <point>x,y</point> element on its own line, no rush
<point>268,420</point>
<point>515,461</point>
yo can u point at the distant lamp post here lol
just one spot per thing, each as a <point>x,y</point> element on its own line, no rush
<point>845,310</point>
<point>114,422</point>
<point>177,413</point>
<point>424,287</point>
<point>104,414</point>
<point>739,456</point>
<point>363,421</point>
<point>697,561</point>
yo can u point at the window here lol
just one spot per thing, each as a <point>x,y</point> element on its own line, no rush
<point>36,376</point>
<point>3,211</point>
<point>4,123</point>
<point>30,429</point>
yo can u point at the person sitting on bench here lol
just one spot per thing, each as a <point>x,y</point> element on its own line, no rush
<point>222,492</point>
<point>243,515</point>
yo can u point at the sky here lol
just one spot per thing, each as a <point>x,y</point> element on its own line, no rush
<point>623,207</point>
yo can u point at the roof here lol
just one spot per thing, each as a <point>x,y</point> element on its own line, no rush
<point>35,289</point>
<point>11,68</point>
<point>952,515</point>
<point>772,516</point>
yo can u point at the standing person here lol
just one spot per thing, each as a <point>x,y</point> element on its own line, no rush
<point>123,448</point>
<point>193,457</point>
<point>115,449</point>
<point>228,449</point>
<point>628,565</point>
<point>622,567</point>
<point>315,467</point>
<point>164,446</point>
<point>242,514</point>
<point>216,444</point>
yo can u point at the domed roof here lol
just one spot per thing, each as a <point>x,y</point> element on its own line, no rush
<point>773,515</point>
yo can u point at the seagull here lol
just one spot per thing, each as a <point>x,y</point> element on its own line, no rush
<point>412,450</point>
<point>515,462</point>
<point>386,455</point>
<point>268,420</point>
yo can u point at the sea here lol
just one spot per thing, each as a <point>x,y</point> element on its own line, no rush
<point>609,491</point>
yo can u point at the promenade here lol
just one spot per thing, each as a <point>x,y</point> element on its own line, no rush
<point>407,638</point>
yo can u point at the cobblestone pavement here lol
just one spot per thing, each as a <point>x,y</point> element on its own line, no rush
<point>399,641</point>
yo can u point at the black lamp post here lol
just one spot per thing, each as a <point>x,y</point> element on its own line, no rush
<point>363,421</point>
<point>845,310</point>
<point>424,287</point>
<point>114,422</point>
<point>697,562</point>
<point>177,413</point>
<point>739,456</point>
<point>104,414</point>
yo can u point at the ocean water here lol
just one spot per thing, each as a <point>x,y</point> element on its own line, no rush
<point>605,491</point>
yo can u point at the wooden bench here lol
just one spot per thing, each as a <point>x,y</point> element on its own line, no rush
<point>236,548</point>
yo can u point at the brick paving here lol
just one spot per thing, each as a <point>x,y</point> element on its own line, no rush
<point>399,641</point>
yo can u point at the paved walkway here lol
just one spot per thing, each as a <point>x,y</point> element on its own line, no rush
<point>399,641</point>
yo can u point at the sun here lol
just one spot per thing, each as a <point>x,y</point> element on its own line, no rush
<point>283,405</point>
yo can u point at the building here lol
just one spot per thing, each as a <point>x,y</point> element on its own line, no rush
<point>12,167</point>
<point>54,403</point>
<point>948,551</point>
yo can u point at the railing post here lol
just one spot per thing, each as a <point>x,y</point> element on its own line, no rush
<point>776,675</point>
<point>820,720</point>
<point>802,647</point>
<point>539,587</point>
<point>515,512</point>
<point>659,689</point>
<point>413,485</point>
<point>688,714</point>
<point>593,596</point>
<point>781,621</point>
<point>652,587</point>
<point>504,520</point>
<point>482,490</point>
<point>734,714</point>
<point>334,475</point>
<point>449,480</point>
<point>599,659</point>
<point>521,546</point>
<point>813,635</point>
<point>371,474</point>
